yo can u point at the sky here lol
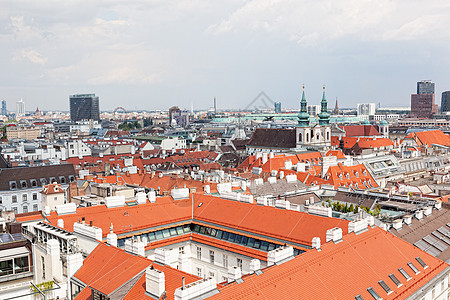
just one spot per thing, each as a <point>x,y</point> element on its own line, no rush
<point>152,54</point>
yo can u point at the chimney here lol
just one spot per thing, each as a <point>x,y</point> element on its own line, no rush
<point>207,189</point>
<point>264,157</point>
<point>151,196</point>
<point>280,255</point>
<point>155,283</point>
<point>47,210</point>
<point>407,219</point>
<point>288,164</point>
<point>234,273</point>
<point>271,155</point>
<point>427,210</point>
<point>258,155</point>
<point>281,174</point>
<point>419,215</point>
<point>316,243</point>
<point>111,238</point>
<point>196,290</point>
<point>60,223</point>
<point>255,264</point>
<point>397,224</point>
<point>357,226</point>
<point>438,205</point>
<point>334,234</point>
<point>244,185</point>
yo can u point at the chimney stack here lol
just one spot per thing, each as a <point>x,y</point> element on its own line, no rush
<point>234,273</point>
<point>155,282</point>
<point>280,255</point>
<point>255,264</point>
<point>334,234</point>
<point>316,243</point>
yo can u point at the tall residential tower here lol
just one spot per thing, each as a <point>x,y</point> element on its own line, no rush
<point>84,107</point>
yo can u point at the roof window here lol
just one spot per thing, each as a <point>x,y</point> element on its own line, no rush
<point>421,262</point>
<point>374,294</point>
<point>359,297</point>
<point>23,184</point>
<point>406,275</point>
<point>395,280</point>
<point>12,185</point>
<point>413,267</point>
<point>385,286</point>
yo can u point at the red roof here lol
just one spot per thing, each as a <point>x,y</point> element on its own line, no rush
<point>107,268</point>
<point>353,263</point>
<point>337,153</point>
<point>430,137</point>
<point>360,130</point>
<point>29,216</point>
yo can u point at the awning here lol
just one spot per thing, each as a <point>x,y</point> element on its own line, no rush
<point>13,252</point>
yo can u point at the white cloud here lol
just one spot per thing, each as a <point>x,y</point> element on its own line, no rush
<point>30,55</point>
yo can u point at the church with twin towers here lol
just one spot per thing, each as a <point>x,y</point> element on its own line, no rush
<point>313,135</point>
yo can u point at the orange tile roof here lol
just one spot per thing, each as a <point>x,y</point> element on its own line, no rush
<point>107,268</point>
<point>164,211</point>
<point>294,226</point>
<point>353,263</point>
<point>430,137</point>
<point>85,294</point>
<point>30,216</point>
<point>337,153</point>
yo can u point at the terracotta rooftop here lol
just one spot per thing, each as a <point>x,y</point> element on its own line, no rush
<point>353,263</point>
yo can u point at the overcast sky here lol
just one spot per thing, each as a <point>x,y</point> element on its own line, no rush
<point>143,54</point>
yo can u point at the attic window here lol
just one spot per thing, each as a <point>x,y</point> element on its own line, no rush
<point>71,178</point>
<point>23,184</point>
<point>359,297</point>
<point>374,294</point>
<point>406,275</point>
<point>43,181</point>
<point>52,179</point>
<point>62,179</point>
<point>395,280</point>
<point>12,185</point>
<point>33,182</point>
<point>421,262</point>
<point>200,204</point>
<point>385,286</point>
<point>413,267</point>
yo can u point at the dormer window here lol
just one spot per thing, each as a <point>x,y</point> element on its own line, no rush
<point>62,179</point>
<point>52,179</point>
<point>23,184</point>
<point>12,185</point>
<point>33,182</point>
<point>43,181</point>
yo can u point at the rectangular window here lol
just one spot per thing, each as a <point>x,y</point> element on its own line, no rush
<point>199,253</point>
<point>24,197</point>
<point>21,264</point>
<point>15,210</point>
<point>395,280</point>
<point>421,262</point>
<point>199,272</point>
<point>25,209</point>
<point>43,268</point>
<point>211,274</point>
<point>413,267</point>
<point>34,196</point>
<point>211,256</point>
<point>1,199</point>
<point>225,260</point>
<point>385,287</point>
<point>14,198</point>
<point>181,250</point>
<point>374,294</point>
<point>35,207</point>
<point>6,267</point>
<point>239,263</point>
<point>406,275</point>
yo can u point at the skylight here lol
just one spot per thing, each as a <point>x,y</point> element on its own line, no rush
<point>403,272</point>
<point>374,294</point>
<point>413,267</point>
<point>421,262</point>
<point>395,280</point>
<point>385,286</point>
<point>359,297</point>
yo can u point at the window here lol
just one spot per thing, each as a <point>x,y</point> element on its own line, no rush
<point>6,267</point>
<point>413,267</point>
<point>181,250</point>
<point>21,264</point>
<point>25,209</point>
<point>199,272</point>
<point>62,179</point>
<point>1,199</point>
<point>199,253</point>
<point>33,183</point>
<point>14,198</point>
<point>406,275</point>
<point>239,263</point>
<point>43,268</point>
<point>374,294</point>
<point>23,184</point>
<point>35,207</point>
<point>421,262</point>
<point>24,197</point>
<point>34,196</point>
<point>225,260</point>
<point>433,293</point>
<point>14,209</point>
<point>12,185</point>
<point>211,274</point>
<point>359,297</point>
<point>395,280</point>
<point>55,198</point>
<point>211,256</point>
<point>385,286</point>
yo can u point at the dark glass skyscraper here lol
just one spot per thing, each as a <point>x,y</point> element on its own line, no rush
<point>425,87</point>
<point>445,101</point>
<point>84,107</point>
<point>4,111</point>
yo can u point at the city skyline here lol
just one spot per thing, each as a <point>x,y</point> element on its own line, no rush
<point>154,55</point>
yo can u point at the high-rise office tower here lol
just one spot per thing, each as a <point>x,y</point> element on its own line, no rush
<point>422,103</point>
<point>365,109</point>
<point>445,101</point>
<point>84,107</point>
<point>425,87</point>
<point>277,107</point>
<point>4,111</point>
<point>20,108</point>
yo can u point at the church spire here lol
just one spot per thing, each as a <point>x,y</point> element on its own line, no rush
<point>324,116</point>
<point>303,116</point>
<point>336,108</point>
